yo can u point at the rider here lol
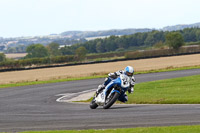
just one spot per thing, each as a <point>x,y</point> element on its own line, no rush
<point>127,71</point>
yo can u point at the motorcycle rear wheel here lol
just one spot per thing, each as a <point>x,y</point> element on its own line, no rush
<point>111,101</point>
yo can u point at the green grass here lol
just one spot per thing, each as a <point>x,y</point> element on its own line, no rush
<point>183,90</point>
<point>168,69</point>
<point>170,129</point>
<point>94,75</point>
<point>171,91</point>
<point>49,81</point>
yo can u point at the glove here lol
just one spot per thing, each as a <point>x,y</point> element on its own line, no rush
<point>112,75</point>
<point>131,90</point>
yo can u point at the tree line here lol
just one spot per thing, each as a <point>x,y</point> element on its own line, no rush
<point>21,45</point>
<point>121,43</point>
<point>173,39</point>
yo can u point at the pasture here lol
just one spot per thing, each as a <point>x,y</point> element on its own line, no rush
<point>16,55</point>
<point>98,69</point>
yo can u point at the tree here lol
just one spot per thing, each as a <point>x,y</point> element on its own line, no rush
<point>36,51</point>
<point>174,39</point>
<point>21,49</point>
<point>100,47</point>
<point>159,45</point>
<point>198,35</point>
<point>2,57</point>
<point>11,50</point>
<point>53,49</point>
<point>154,37</point>
<point>67,50</point>
<point>81,53</point>
<point>110,43</point>
<point>189,35</point>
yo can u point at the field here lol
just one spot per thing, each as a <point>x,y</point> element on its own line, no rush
<point>171,129</point>
<point>182,90</point>
<point>98,69</point>
<point>171,91</point>
<point>16,56</point>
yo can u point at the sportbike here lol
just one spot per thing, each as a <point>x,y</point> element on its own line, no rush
<point>108,96</point>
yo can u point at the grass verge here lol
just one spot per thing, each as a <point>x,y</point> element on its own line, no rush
<point>95,75</point>
<point>168,69</point>
<point>170,129</point>
<point>183,90</point>
<point>48,81</point>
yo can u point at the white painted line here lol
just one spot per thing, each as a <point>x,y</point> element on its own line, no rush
<point>83,95</point>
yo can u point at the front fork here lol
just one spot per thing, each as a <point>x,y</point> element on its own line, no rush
<point>113,91</point>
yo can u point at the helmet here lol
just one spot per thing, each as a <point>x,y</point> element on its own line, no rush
<point>129,71</point>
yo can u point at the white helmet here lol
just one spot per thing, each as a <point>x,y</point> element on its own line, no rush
<point>129,71</point>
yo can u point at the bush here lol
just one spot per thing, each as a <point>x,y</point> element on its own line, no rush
<point>105,55</point>
<point>2,57</point>
<point>15,64</point>
<point>162,52</point>
<point>23,63</point>
<point>175,40</point>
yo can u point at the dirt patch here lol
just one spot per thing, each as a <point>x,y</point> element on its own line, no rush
<point>91,69</point>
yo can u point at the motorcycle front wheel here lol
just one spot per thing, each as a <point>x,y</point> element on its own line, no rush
<point>93,105</point>
<point>109,102</point>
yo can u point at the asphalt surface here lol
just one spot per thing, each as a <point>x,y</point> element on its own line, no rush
<point>35,108</point>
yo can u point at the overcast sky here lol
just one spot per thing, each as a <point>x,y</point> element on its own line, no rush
<point>44,17</point>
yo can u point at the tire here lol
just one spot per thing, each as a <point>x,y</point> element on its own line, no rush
<point>93,105</point>
<point>111,101</point>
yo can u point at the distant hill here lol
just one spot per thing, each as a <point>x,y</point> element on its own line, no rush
<point>73,37</point>
<point>180,27</point>
<point>86,34</point>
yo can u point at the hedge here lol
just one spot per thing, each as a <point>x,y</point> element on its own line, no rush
<point>162,52</point>
<point>23,63</point>
<point>55,61</point>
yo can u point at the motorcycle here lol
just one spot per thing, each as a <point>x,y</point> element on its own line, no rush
<point>108,96</point>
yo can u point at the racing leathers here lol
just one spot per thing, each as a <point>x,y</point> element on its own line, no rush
<point>111,76</point>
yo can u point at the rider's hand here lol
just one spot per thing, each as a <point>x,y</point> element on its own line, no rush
<point>112,75</point>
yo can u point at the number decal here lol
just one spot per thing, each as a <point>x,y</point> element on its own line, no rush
<point>125,81</point>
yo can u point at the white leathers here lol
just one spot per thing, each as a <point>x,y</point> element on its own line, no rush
<point>129,71</point>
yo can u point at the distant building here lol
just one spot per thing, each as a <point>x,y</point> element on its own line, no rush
<point>62,46</point>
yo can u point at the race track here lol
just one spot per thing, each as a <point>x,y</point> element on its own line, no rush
<point>35,108</point>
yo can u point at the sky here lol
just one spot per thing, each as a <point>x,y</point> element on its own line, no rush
<point>43,17</point>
